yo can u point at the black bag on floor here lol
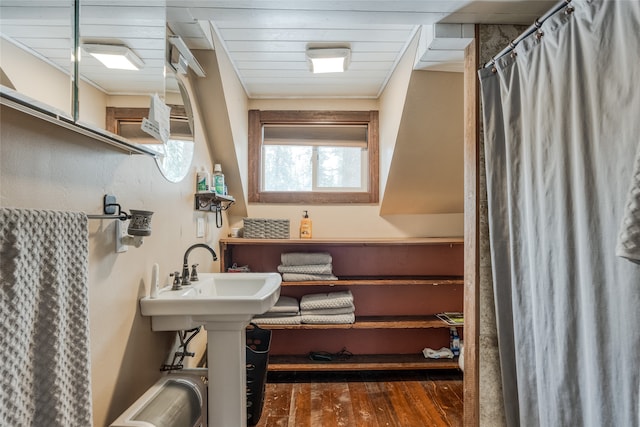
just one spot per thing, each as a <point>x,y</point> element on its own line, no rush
<point>258,343</point>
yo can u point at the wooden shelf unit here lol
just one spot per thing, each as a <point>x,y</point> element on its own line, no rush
<point>398,286</point>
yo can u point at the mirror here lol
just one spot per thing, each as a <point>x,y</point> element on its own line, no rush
<point>38,73</point>
<point>36,41</point>
<point>174,156</point>
<point>108,27</point>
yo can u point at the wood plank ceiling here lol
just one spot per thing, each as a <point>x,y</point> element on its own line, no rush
<point>266,40</point>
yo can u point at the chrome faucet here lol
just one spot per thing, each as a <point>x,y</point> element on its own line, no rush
<point>185,261</point>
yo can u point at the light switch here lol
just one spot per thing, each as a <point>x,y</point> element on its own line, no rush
<point>200,227</point>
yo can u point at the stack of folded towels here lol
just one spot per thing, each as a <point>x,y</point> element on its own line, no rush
<point>332,307</point>
<point>304,266</point>
<point>286,311</point>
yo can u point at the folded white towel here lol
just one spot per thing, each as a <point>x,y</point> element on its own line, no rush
<point>339,299</point>
<point>305,258</point>
<point>328,318</point>
<point>306,269</point>
<point>325,311</point>
<point>284,305</point>
<point>300,277</point>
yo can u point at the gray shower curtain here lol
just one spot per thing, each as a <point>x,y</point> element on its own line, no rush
<point>562,132</point>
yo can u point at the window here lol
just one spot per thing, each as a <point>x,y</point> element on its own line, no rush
<point>313,156</point>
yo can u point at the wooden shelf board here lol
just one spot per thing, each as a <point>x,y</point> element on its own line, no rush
<point>348,241</point>
<point>361,363</point>
<point>373,322</point>
<point>395,281</point>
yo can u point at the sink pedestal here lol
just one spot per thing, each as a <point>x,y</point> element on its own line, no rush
<point>226,362</point>
<point>223,303</point>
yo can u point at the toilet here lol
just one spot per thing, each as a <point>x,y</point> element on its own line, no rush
<point>175,400</point>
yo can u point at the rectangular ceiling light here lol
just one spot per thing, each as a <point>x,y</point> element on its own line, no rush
<point>114,56</point>
<point>328,60</point>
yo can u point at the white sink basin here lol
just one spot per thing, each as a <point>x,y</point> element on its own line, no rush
<point>216,297</point>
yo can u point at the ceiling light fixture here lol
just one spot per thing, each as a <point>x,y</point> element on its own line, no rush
<point>114,56</point>
<point>328,60</point>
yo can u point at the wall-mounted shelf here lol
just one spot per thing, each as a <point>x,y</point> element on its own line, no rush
<point>213,201</point>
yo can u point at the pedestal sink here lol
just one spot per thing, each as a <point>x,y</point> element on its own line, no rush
<point>223,303</point>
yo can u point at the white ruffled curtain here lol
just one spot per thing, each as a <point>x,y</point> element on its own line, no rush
<point>562,134</point>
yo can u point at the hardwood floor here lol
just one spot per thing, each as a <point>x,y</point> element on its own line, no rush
<point>363,399</point>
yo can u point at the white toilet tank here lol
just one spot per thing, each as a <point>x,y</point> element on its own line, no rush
<point>176,400</point>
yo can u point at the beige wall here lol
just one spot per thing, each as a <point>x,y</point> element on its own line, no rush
<point>92,104</point>
<point>48,167</point>
<point>349,220</point>
<point>426,174</point>
<point>34,78</point>
<point>236,104</point>
<point>392,101</point>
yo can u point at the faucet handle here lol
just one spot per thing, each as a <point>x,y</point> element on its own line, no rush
<point>176,281</point>
<point>194,273</point>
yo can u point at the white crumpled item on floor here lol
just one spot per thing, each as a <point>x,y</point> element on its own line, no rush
<point>443,353</point>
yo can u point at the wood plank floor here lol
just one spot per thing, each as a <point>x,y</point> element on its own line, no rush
<point>363,399</point>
